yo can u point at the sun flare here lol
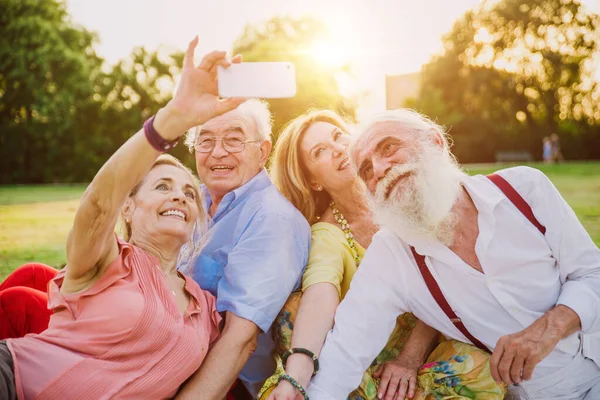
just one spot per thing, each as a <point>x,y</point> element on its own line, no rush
<point>329,54</point>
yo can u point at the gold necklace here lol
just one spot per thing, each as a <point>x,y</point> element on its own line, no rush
<point>167,278</point>
<point>346,229</point>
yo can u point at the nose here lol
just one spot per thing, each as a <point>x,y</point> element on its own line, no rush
<point>339,149</point>
<point>380,168</point>
<point>219,151</point>
<point>178,195</point>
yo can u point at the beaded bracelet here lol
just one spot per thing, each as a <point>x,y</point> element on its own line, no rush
<point>306,352</point>
<point>295,384</point>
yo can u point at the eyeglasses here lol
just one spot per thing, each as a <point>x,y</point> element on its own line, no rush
<point>231,143</point>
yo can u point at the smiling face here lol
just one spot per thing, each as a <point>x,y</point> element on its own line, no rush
<point>382,148</point>
<point>166,204</point>
<point>223,171</point>
<point>323,150</point>
<point>412,178</point>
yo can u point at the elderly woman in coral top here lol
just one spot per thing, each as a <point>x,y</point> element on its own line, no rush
<point>126,324</point>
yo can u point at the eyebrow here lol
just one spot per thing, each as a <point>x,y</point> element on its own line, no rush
<point>335,129</point>
<point>204,132</point>
<point>237,129</point>
<point>234,129</point>
<point>377,149</point>
<point>171,180</point>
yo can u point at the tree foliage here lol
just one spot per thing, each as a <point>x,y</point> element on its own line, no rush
<point>124,97</point>
<point>45,68</point>
<point>289,39</point>
<point>62,112</point>
<point>513,72</point>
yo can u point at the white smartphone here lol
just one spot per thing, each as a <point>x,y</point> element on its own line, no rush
<point>270,80</point>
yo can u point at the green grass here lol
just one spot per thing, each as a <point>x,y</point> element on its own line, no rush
<point>27,194</point>
<point>35,220</point>
<point>34,223</point>
<point>578,183</point>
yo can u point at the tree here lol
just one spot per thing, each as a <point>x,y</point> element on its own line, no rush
<point>61,115</point>
<point>45,68</point>
<point>288,39</point>
<point>133,90</point>
<point>513,72</point>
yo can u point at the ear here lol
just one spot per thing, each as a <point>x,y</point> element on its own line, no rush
<point>127,209</point>
<point>316,187</point>
<point>265,150</point>
<point>437,138</point>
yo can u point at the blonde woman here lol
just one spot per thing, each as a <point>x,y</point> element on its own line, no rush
<point>310,167</point>
<point>125,322</point>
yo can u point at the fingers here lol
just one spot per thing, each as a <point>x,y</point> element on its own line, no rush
<point>412,386</point>
<point>228,104</point>
<point>529,366</point>
<point>403,388</point>
<point>189,54</point>
<point>225,63</point>
<point>392,388</point>
<point>380,369</point>
<point>517,367</point>
<point>495,360</point>
<point>236,59</point>
<point>383,383</point>
<point>214,57</point>
<point>505,365</point>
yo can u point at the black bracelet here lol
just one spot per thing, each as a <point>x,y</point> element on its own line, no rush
<point>286,377</point>
<point>302,351</point>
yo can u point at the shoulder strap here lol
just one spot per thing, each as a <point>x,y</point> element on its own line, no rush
<point>432,285</point>
<point>437,294</point>
<point>517,200</point>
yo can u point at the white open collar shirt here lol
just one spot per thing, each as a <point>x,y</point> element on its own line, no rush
<point>525,275</point>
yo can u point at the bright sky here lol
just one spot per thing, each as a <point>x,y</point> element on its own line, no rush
<point>385,36</point>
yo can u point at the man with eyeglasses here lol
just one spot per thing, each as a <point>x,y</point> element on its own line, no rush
<point>256,250</point>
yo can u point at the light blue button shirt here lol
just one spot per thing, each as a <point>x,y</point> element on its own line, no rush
<point>257,250</point>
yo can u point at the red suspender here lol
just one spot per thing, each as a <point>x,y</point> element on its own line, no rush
<point>517,200</point>
<point>432,285</point>
<point>437,294</point>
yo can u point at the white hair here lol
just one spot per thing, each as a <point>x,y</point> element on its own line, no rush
<point>254,108</point>
<point>407,120</point>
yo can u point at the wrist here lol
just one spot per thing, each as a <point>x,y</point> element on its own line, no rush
<point>300,368</point>
<point>170,123</point>
<point>562,321</point>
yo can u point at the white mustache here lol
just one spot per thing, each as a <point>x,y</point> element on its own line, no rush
<point>393,174</point>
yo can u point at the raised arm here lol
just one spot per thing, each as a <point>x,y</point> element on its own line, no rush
<point>91,245</point>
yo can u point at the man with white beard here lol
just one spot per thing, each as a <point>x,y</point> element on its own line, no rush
<point>500,262</point>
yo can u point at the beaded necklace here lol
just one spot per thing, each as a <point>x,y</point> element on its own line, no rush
<point>346,229</point>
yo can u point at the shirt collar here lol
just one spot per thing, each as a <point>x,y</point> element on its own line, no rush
<point>258,182</point>
<point>484,194</point>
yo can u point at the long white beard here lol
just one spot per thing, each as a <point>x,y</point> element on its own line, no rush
<point>421,204</point>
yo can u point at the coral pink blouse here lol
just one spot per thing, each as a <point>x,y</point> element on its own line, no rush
<point>123,337</point>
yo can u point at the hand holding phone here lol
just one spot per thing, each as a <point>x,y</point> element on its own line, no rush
<point>271,80</point>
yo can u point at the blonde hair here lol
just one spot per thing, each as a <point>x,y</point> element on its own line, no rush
<point>289,173</point>
<point>193,248</point>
